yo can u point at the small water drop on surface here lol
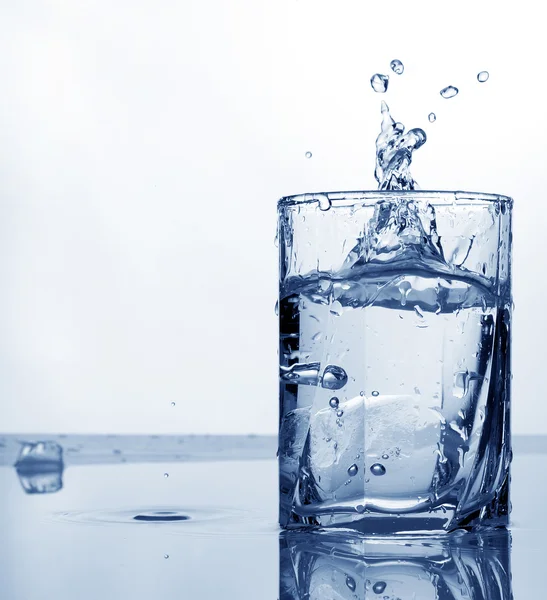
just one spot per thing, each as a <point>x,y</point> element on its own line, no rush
<point>352,471</point>
<point>397,66</point>
<point>379,83</point>
<point>449,91</point>
<point>308,154</point>
<point>483,76</point>
<point>375,393</point>
<point>166,475</point>
<point>378,469</point>
<point>350,582</point>
<point>379,587</point>
<point>432,117</point>
<point>333,402</point>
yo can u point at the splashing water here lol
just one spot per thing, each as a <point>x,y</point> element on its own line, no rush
<point>394,150</point>
<point>397,66</point>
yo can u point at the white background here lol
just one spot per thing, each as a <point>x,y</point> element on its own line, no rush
<point>143,146</point>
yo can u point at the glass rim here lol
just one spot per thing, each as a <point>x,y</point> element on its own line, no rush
<point>371,197</point>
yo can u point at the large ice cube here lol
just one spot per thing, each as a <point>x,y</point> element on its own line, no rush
<point>40,467</point>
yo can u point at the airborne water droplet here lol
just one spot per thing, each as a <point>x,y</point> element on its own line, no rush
<point>379,83</point>
<point>333,402</point>
<point>166,556</point>
<point>352,471</point>
<point>375,393</point>
<point>483,76</point>
<point>308,154</point>
<point>172,404</point>
<point>385,456</point>
<point>449,92</point>
<point>432,117</point>
<point>378,469</point>
<point>339,413</point>
<point>166,475</point>
<point>397,66</point>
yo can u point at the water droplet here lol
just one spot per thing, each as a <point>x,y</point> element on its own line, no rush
<point>276,308</point>
<point>333,402</point>
<point>340,413</point>
<point>483,76</point>
<point>352,471</point>
<point>350,582</point>
<point>166,556</point>
<point>379,83</point>
<point>172,404</point>
<point>334,377</point>
<point>360,508</point>
<point>404,288</point>
<point>339,423</point>
<point>385,456</point>
<point>166,475</point>
<point>397,66</point>
<point>379,587</point>
<point>378,469</point>
<point>449,92</point>
<point>375,393</point>
<point>432,117</point>
<point>308,154</point>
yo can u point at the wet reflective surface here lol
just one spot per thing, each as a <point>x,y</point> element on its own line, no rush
<point>104,522</point>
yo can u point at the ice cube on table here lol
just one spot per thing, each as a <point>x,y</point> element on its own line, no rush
<point>37,455</point>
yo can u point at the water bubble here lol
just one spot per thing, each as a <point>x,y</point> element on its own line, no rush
<point>449,91</point>
<point>432,117</point>
<point>483,76</point>
<point>350,582</point>
<point>276,308</point>
<point>385,456</point>
<point>166,556</point>
<point>375,393</point>
<point>352,471</point>
<point>308,154</point>
<point>379,83</point>
<point>379,587</point>
<point>339,413</point>
<point>166,475</point>
<point>333,402</point>
<point>397,66</point>
<point>334,377</point>
<point>378,469</point>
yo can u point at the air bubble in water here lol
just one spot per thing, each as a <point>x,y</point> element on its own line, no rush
<point>379,83</point>
<point>397,66</point>
<point>166,475</point>
<point>449,91</point>
<point>378,469</point>
<point>352,471</point>
<point>483,76</point>
<point>350,582</point>
<point>379,587</point>
<point>432,117</point>
<point>375,393</point>
<point>333,402</point>
<point>308,154</point>
<point>334,377</point>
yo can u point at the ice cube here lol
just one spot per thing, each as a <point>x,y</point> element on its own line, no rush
<point>40,467</point>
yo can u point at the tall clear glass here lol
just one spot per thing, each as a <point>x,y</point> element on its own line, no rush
<point>395,323</point>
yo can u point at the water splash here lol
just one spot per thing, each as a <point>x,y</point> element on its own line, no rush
<point>394,150</point>
<point>379,83</point>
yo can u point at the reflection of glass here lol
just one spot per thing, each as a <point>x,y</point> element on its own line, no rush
<point>340,566</point>
<point>395,323</point>
<point>40,467</point>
